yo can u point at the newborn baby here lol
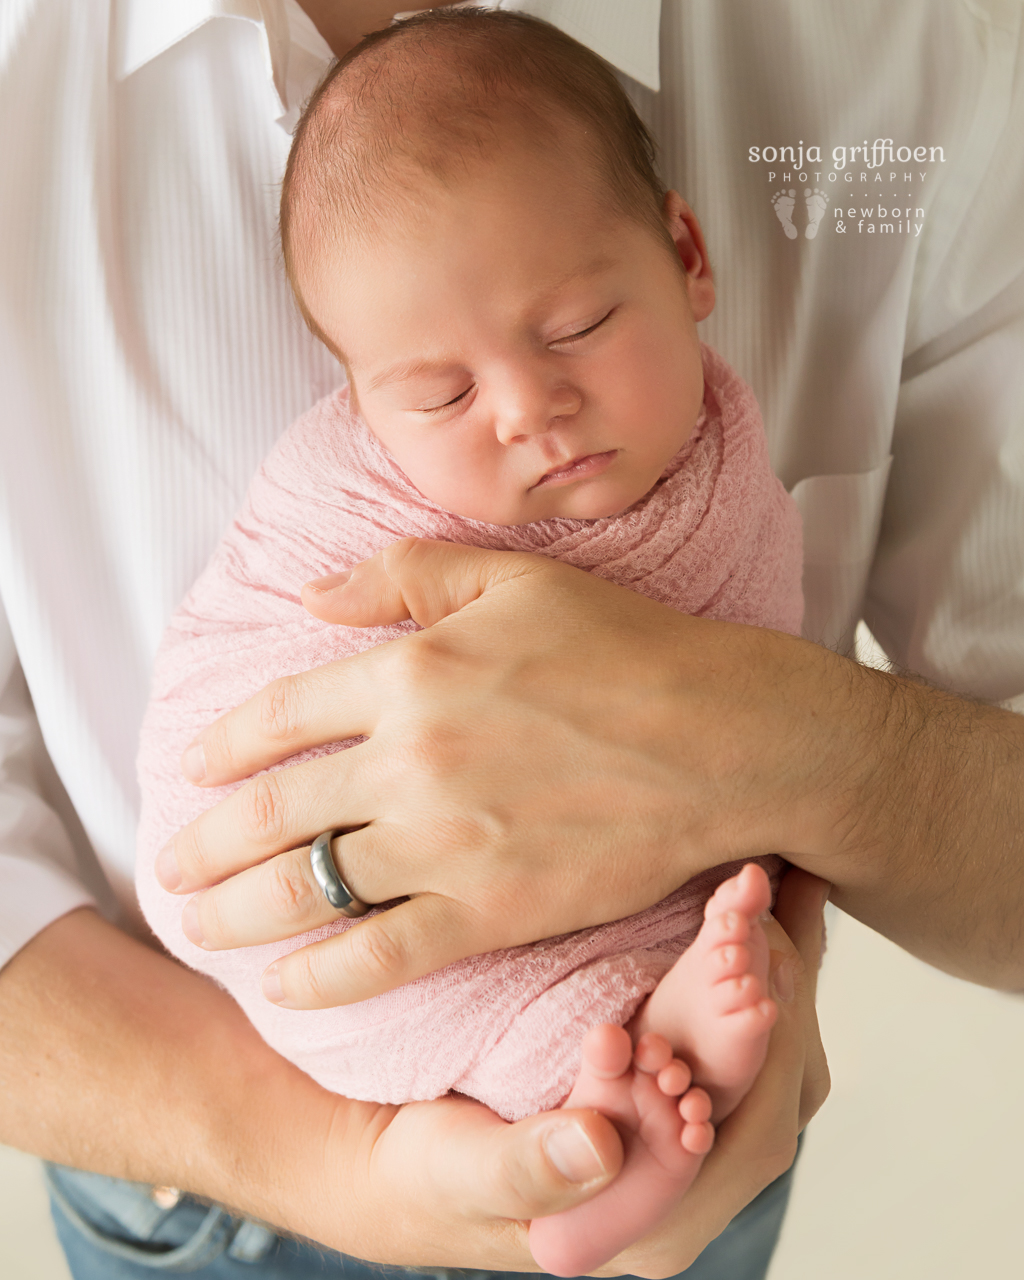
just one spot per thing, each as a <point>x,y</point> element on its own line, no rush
<point>472,223</point>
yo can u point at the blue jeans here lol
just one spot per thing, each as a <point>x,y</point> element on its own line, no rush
<point>114,1230</point>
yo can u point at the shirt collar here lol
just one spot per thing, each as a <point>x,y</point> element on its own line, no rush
<point>626,35</point>
<point>143,29</point>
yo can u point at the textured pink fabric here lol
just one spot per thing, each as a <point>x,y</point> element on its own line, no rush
<point>718,537</point>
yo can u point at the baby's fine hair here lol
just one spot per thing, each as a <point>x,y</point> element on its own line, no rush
<point>435,94</point>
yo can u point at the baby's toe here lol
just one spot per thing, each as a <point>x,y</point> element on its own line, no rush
<point>675,1079</point>
<point>652,1053</point>
<point>749,892</point>
<point>735,994</point>
<point>730,961</point>
<point>607,1051</point>
<point>695,1106</point>
<point>756,1019</point>
<point>698,1139</point>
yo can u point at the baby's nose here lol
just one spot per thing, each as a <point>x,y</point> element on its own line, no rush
<point>531,413</point>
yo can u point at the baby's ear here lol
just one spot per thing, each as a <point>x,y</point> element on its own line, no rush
<point>687,236</point>
<point>702,296</point>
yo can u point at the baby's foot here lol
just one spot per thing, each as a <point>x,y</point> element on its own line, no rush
<point>665,1133</point>
<point>713,1006</point>
<point>783,203</point>
<point>816,202</point>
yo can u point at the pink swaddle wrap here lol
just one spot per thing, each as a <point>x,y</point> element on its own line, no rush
<point>718,537</point>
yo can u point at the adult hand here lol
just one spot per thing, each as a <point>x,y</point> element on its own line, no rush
<point>456,1168</point>
<point>173,1086</point>
<point>150,1046</point>
<point>554,751</point>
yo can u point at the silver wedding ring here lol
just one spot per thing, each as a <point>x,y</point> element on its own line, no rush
<point>325,870</point>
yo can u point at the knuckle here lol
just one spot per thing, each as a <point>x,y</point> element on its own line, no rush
<point>279,710</point>
<point>194,859</point>
<point>779,1161</point>
<point>395,556</point>
<point>261,810</point>
<point>529,1202</point>
<point>374,954</point>
<point>423,753</point>
<point>520,1174</point>
<point>662,1267</point>
<point>303,979</point>
<point>219,748</point>
<point>816,1092</point>
<point>417,659</point>
<point>313,975</point>
<point>287,892</point>
<point>437,752</point>
<point>215,925</point>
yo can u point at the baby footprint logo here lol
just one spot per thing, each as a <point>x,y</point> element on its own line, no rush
<point>783,202</point>
<point>816,202</point>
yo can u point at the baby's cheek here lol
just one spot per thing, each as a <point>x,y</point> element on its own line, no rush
<point>471,487</point>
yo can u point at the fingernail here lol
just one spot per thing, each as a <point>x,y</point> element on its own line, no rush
<point>166,868</point>
<point>272,989</point>
<point>572,1153</point>
<point>330,582</point>
<point>190,925</point>
<point>782,980</point>
<point>193,762</point>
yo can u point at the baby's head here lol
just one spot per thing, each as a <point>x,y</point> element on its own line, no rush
<point>471,221</point>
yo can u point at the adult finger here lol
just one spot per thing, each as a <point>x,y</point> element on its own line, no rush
<point>271,813</point>
<point>287,716</point>
<point>416,578</point>
<point>278,899</point>
<point>381,952</point>
<point>281,899</point>
<point>412,579</point>
<point>798,912</point>
<point>540,1165</point>
<point>468,1181</point>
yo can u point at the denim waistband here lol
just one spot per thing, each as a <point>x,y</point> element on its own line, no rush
<point>124,1220</point>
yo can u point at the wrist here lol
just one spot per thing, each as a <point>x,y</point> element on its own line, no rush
<point>853,772</point>
<point>268,1142</point>
<point>926,825</point>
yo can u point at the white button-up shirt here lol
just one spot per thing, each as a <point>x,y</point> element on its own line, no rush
<point>150,352</point>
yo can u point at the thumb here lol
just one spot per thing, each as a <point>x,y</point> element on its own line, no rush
<point>544,1164</point>
<point>415,578</point>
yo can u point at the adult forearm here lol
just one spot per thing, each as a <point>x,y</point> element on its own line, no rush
<point>117,1060</point>
<point>927,816</point>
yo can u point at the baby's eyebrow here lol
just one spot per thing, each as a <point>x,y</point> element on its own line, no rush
<point>592,268</point>
<point>405,369</point>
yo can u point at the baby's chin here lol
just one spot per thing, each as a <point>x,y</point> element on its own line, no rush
<point>599,498</point>
<point>592,502</point>
<point>568,505</point>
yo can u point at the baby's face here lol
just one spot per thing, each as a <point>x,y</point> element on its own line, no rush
<point>521,353</point>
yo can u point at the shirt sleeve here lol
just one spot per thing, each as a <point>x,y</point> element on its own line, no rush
<point>946,593</point>
<point>38,882</point>
<point>945,596</point>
